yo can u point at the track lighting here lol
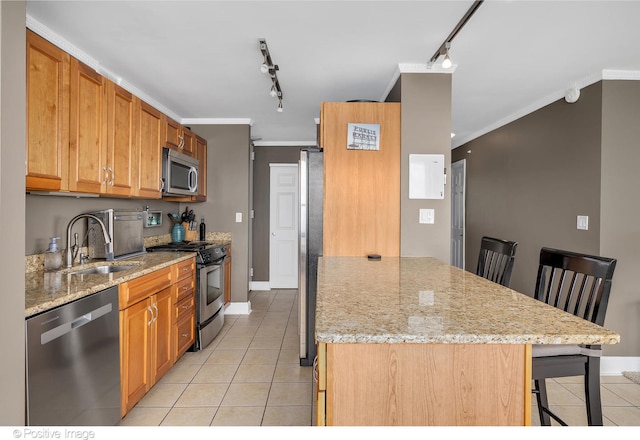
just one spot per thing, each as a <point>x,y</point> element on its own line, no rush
<point>446,45</point>
<point>268,67</point>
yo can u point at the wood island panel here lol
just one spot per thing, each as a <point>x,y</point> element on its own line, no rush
<point>427,384</point>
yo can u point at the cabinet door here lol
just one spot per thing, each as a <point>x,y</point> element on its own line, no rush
<point>149,159</point>
<point>135,337</point>
<point>187,138</point>
<point>121,141</point>
<point>163,356</point>
<point>172,134</point>
<point>47,152</point>
<point>88,170</point>
<point>201,155</point>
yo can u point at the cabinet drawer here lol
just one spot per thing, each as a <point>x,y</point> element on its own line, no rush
<point>185,337</point>
<point>185,288</point>
<point>131,292</point>
<point>183,269</point>
<point>185,308</point>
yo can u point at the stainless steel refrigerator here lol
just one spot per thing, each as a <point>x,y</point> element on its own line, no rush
<point>311,180</point>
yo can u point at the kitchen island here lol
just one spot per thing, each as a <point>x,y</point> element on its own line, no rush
<point>414,341</point>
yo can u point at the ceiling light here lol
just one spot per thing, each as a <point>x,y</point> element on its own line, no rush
<point>264,68</point>
<point>280,107</point>
<point>273,91</point>
<point>446,63</point>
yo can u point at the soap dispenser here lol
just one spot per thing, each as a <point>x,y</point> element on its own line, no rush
<point>53,256</point>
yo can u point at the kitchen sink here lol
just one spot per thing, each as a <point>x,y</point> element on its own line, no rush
<point>105,269</point>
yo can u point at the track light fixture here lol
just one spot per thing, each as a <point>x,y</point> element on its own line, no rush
<point>446,44</point>
<point>446,63</point>
<point>268,67</point>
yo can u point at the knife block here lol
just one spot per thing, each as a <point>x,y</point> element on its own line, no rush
<point>189,235</point>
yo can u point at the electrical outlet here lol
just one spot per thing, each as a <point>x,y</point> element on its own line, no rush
<point>427,216</point>
<point>583,222</point>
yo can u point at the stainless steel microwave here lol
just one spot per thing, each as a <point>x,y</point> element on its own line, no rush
<point>179,174</point>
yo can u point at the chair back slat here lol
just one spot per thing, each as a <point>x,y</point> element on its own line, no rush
<point>576,283</point>
<point>496,260</point>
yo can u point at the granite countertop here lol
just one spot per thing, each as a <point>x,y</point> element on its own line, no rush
<point>47,290</point>
<point>422,300</point>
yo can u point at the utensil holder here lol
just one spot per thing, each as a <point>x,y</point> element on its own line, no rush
<point>189,235</point>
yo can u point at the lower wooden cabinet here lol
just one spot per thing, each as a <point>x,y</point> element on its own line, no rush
<point>157,310</point>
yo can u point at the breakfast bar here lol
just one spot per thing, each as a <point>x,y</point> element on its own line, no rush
<point>414,341</point>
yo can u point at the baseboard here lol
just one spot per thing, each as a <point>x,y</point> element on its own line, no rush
<point>615,365</point>
<point>238,308</point>
<point>259,285</point>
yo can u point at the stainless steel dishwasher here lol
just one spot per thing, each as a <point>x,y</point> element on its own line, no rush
<point>73,363</point>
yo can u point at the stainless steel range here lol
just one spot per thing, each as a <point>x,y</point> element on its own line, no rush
<point>209,287</point>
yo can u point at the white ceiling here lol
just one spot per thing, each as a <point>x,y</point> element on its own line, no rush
<point>198,61</point>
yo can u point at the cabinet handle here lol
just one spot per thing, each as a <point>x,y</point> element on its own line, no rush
<point>106,175</point>
<point>185,288</point>
<point>112,176</point>
<point>150,311</point>
<point>185,307</point>
<point>185,335</point>
<point>155,306</point>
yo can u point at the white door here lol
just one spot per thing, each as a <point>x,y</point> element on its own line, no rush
<point>458,174</point>
<point>283,226</point>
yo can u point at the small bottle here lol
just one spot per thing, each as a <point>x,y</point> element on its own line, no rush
<point>53,256</point>
<point>203,230</point>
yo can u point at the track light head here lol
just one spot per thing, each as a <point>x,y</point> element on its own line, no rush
<point>280,109</point>
<point>446,63</point>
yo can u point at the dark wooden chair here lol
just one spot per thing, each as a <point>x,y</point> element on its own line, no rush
<point>579,284</point>
<point>496,259</point>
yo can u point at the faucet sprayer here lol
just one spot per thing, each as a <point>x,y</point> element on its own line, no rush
<point>108,243</point>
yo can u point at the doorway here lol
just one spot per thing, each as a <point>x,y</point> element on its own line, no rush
<point>458,182</point>
<point>283,226</point>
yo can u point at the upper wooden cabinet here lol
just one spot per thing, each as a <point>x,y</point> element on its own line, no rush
<point>122,141</point>
<point>178,137</point>
<point>151,125</point>
<point>47,149</point>
<point>88,171</point>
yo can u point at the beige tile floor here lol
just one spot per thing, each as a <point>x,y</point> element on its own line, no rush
<point>250,376</point>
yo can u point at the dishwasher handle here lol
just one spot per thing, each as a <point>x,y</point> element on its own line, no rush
<point>76,323</point>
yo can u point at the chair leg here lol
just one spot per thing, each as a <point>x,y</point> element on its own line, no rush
<point>541,398</point>
<point>592,391</point>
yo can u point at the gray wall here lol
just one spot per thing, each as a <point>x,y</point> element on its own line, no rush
<point>263,157</point>
<point>426,129</point>
<point>229,191</point>
<point>528,181</point>
<point>12,201</point>
<point>619,225</point>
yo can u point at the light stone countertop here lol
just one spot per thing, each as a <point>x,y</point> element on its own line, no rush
<point>422,300</point>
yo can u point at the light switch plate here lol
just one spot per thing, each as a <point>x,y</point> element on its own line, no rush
<point>583,222</point>
<point>238,217</point>
<point>427,216</point>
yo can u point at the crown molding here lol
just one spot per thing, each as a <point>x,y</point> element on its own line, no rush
<point>605,74</point>
<point>414,68</point>
<point>217,121</point>
<point>285,144</point>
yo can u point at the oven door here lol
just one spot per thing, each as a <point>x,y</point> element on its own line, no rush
<point>211,290</point>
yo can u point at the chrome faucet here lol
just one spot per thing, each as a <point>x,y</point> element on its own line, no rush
<point>108,243</point>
